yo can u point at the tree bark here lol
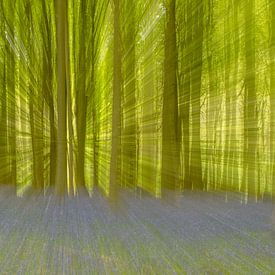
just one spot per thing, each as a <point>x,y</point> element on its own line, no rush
<point>116,113</point>
<point>12,106</point>
<point>47,88</point>
<point>61,173</point>
<point>228,99</point>
<point>170,140</point>
<point>272,99</point>
<point>186,96</point>
<point>250,103</point>
<point>4,130</point>
<point>196,73</point>
<point>81,106</point>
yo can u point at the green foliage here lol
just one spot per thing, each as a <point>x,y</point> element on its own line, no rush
<point>157,95</point>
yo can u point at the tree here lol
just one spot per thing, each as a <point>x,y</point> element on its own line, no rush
<point>48,93</point>
<point>36,106</point>
<point>170,124</point>
<point>196,74</point>
<point>3,124</point>
<point>228,97</point>
<point>61,21</point>
<point>81,96</point>
<point>272,95</point>
<point>250,112</point>
<point>129,135</point>
<point>10,82</point>
<point>116,112</point>
<point>234,177</point>
<point>186,59</point>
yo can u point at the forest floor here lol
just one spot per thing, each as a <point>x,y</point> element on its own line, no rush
<point>200,233</point>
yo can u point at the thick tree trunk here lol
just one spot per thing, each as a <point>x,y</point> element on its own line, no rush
<point>48,93</point>
<point>61,172</point>
<point>36,123</point>
<point>116,114</point>
<point>170,146</point>
<point>128,154</point>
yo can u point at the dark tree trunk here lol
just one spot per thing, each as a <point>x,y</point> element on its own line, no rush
<point>170,140</point>
<point>61,173</point>
<point>116,113</point>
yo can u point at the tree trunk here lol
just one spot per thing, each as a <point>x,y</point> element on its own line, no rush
<point>209,177</point>
<point>228,99</point>
<point>81,106</point>
<point>4,130</point>
<point>116,113</point>
<point>69,114</point>
<point>196,73</point>
<point>128,154</point>
<point>36,123</point>
<point>53,143</point>
<point>234,177</point>
<point>250,115</point>
<point>12,106</point>
<point>61,172</point>
<point>170,146</point>
<point>186,96</point>
<point>272,98</point>
<point>48,93</point>
<point>94,103</point>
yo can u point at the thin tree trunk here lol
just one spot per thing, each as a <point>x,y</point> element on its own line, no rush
<point>69,114</point>
<point>4,129</point>
<point>228,98</point>
<point>210,112</point>
<point>12,106</point>
<point>195,166</point>
<point>81,106</point>
<point>272,98</point>
<point>94,103</point>
<point>234,177</point>
<point>186,97</point>
<point>53,143</point>
<point>250,115</point>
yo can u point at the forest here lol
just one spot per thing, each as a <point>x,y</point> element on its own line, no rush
<point>150,95</point>
<point>137,137</point>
